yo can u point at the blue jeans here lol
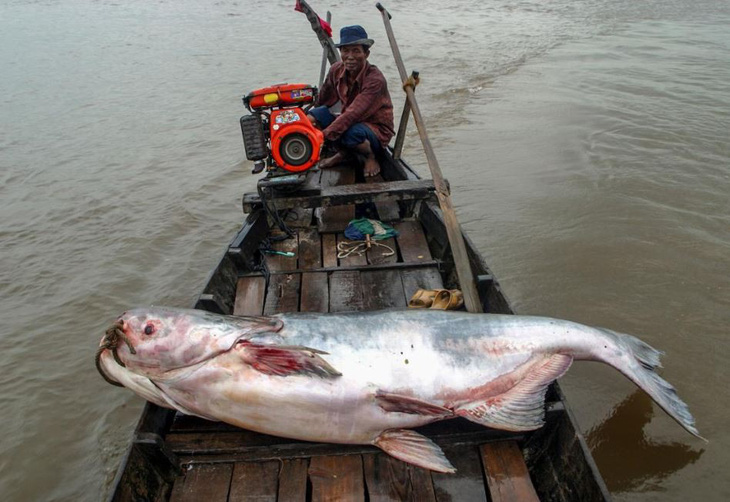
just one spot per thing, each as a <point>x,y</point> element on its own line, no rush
<point>354,136</point>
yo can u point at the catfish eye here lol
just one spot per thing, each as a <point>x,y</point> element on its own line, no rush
<point>149,329</point>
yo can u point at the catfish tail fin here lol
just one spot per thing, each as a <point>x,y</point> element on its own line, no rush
<point>638,363</point>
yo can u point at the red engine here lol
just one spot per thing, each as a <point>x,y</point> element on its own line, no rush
<point>278,132</point>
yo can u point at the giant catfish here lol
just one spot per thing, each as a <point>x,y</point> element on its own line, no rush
<point>365,378</point>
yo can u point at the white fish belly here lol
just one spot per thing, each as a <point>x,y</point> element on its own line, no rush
<point>340,409</point>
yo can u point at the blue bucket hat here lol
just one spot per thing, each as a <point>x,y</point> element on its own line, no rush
<point>354,35</point>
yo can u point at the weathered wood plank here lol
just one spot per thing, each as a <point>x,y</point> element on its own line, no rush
<point>254,482</point>
<point>412,241</point>
<point>250,292</point>
<point>243,445</point>
<point>420,278</point>
<point>355,259</point>
<point>207,482</point>
<point>387,210</point>
<point>376,255</point>
<point>467,483</point>
<point>343,268</point>
<point>506,472</point>
<point>382,289</point>
<point>337,479</point>
<point>293,480</point>
<point>283,294</point>
<point>345,193</point>
<point>345,291</point>
<point>336,218</point>
<point>390,480</point>
<point>315,292</point>
<point>310,249</point>
<point>299,217</point>
<point>336,176</point>
<point>329,250</point>
<point>279,262</point>
<point>139,481</point>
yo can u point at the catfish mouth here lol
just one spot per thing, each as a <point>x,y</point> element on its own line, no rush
<point>110,341</point>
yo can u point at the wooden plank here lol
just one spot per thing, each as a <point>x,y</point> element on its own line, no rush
<point>310,249</point>
<point>283,294</point>
<point>384,266</point>
<point>467,483</point>
<point>329,250</point>
<point>376,255</point>
<point>207,482</point>
<point>412,241</point>
<point>299,217</point>
<point>345,291</point>
<point>387,210</point>
<point>390,480</point>
<point>293,480</point>
<point>506,472</point>
<point>250,292</point>
<point>355,259</point>
<point>382,289</point>
<point>350,193</point>
<point>315,292</point>
<point>243,445</point>
<point>333,219</point>
<point>254,482</point>
<point>278,262</point>
<point>420,278</point>
<point>337,479</point>
<point>337,176</point>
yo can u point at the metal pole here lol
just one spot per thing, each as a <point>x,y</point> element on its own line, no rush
<point>453,229</point>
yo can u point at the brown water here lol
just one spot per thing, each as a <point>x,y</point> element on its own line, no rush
<point>586,144</point>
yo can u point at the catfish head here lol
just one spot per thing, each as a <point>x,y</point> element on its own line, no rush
<point>157,341</point>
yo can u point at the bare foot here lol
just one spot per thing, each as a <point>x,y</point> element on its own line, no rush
<point>371,168</point>
<point>331,161</point>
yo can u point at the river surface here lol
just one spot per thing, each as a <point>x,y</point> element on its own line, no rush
<point>586,143</point>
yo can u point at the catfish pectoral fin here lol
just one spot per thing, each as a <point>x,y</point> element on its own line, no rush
<point>414,448</point>
<point>406,404</point>
<point>287,360</point>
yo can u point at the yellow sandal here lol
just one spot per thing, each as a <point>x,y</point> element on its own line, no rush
<point>423,298</point>
<point>448,299</point>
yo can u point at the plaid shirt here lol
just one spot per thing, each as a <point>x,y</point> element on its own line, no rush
<point>366,102</point>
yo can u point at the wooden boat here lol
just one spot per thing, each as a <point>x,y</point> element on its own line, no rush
<point>178,458</point>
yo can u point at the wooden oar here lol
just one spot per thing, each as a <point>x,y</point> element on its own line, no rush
<point>324,56</point>
<point>453,229</point>
<point>401,136</point>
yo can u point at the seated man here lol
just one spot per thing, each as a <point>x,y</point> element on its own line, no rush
<point>365,125</point>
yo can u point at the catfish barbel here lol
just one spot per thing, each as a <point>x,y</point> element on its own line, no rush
<point>365,377</point>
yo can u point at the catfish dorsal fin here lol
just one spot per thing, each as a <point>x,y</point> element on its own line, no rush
<point>521,408</point>
<point>414,448</point>
<point>287,360</point>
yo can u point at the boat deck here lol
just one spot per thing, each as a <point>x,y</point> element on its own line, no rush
<point>225,463</point>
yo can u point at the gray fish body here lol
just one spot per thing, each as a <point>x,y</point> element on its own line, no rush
<point>366,378</point>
